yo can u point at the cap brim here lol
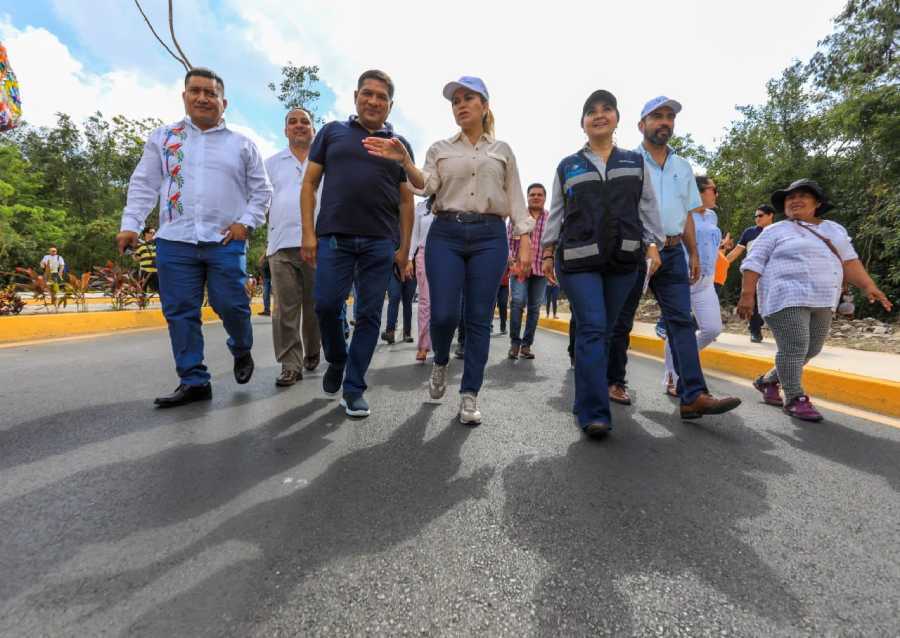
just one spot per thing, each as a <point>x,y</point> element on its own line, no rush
<point>675,105</point>
<point>450,88</point>
<point>778,200</point>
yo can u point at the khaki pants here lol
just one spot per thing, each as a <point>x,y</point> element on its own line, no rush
<point>295,329</point>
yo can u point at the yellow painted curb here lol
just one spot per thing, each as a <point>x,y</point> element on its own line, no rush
<point>868,393</point>
<point>69,324</point>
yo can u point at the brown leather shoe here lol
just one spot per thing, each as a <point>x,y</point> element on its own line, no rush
<point>311,362</point>
<point>513,352</point>
<point>526,353</point>
<point>707,404</point>
<point>288,377</point>
<point>618,394</point>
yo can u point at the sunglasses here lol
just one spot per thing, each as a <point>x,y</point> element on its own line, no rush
<point>757,216</point>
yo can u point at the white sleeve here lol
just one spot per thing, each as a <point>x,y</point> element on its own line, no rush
<point>259,188</point>
<point>144,186</point>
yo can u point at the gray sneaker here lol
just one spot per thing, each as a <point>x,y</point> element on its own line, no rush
<point>438,384</point>
<point>469,414</point>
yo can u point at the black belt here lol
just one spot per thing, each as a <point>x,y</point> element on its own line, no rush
<point>467,218</point>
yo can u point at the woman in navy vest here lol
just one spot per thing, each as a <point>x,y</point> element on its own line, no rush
<point>604,220</point>
<point>475,181</point>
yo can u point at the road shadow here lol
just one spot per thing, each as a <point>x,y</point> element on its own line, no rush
<point>875,455</point>
<point>177,484</point>
<point>67,430</point>
<point>630,520</point>
<point>364,503</point>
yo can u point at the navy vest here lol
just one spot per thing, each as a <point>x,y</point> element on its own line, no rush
<point>601,227</point>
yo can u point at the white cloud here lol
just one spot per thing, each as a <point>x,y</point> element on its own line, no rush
<point>52,80</point>
<point>540,61</point>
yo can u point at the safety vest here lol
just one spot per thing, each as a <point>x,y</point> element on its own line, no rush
<point>601,229</point>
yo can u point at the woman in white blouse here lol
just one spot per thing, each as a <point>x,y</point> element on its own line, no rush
<point>796,267</point>
<point>476,185</point>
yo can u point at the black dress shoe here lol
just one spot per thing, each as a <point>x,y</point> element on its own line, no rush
<point>185,394</point>
<point>243,368</point>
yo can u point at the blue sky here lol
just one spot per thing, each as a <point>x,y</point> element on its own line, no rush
<point>538,60</point>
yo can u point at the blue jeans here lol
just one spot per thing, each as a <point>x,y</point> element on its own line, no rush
<point>621,334</point>
<point>596,299</point>
<point>552,296</point>
<point>465,260</point>
<point>530,294</point>
<point>339,256</point>
<point>502,303</point>
<point>183,270</point>
<point>267,293</point>
<point>672,289</point>
<point>400,291</point>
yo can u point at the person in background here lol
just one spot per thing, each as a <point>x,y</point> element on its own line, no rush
<point>704,300</point>
<point>503,300</point>
<point>722,263</point>
<point>366,208</point>
<point>265,274</point>
<point>421,226</point>
<point>527,289</point>
<point>795,272</point>
<point>212,190</point>
<point>552,298</point>
<point>400,291</point>
<point>764,217</point>
<point>295,329</point>
<point>475,180</point>
<point>53,265</point>
<point>145,255</point>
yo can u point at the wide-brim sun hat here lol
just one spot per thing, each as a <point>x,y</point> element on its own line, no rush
<point>806,184</point>
<point>466,82</point>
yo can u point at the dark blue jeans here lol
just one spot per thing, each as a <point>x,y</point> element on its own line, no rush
<point>469,260</point>
<point>672,289</point>
<point>552,296</point>
<point>596,301</point>
<point>621,334</point>
<point>525,294</point>
<point>502,303</point>
<point>400,291</point>
<point>183,270</point>
<point>339,256</point>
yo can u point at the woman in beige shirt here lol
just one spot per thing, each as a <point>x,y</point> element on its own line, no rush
<point>476,184</point>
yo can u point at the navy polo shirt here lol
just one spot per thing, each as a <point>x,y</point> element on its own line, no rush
<point>361,192</point>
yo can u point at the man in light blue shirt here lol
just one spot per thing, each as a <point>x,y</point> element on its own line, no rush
<point>677,193</point>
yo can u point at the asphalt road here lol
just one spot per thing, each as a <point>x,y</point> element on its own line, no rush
<point>267,512</point>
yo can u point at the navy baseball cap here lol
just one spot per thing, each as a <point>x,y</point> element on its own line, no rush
<point>466,82</point>
<point>659,102</point>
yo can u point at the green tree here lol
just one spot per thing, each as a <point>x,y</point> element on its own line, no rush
<point>296,90</point>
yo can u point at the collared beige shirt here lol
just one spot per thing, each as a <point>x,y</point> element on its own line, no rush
<point>479,178</point>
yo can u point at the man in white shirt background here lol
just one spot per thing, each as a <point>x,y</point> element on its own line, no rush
<point>212,190</point>
<point>53,265</point>
<point>295,329</point>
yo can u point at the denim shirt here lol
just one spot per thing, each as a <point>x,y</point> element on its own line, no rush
<point>709,236</point>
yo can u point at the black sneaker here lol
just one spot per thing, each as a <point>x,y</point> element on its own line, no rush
<point>355,405</point>
<point>332,379</point>
<point>388,336</point>
<point>756,337</point>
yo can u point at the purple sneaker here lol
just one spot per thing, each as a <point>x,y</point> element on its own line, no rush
<point>771,391</point>
<point>801,408</point>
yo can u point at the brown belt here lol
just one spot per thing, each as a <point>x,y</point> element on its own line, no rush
<point>672,240</point>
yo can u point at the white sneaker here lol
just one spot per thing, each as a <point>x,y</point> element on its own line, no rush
<point>438,384</point>
<point>469,414</point>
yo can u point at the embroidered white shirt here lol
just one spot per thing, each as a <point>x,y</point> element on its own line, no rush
<point>286,173</point>
<point>203,181</point>
<point>797,269</point>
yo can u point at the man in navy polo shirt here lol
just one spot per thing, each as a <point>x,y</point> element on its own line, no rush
<point>364,227</point>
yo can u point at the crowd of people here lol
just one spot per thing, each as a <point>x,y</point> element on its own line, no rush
<point>341,213</point>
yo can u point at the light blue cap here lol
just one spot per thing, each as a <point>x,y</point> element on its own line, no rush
<point>466,82</point>
<point>659,102</point>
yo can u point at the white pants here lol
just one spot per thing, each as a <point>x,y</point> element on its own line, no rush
<point>705,305</point>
